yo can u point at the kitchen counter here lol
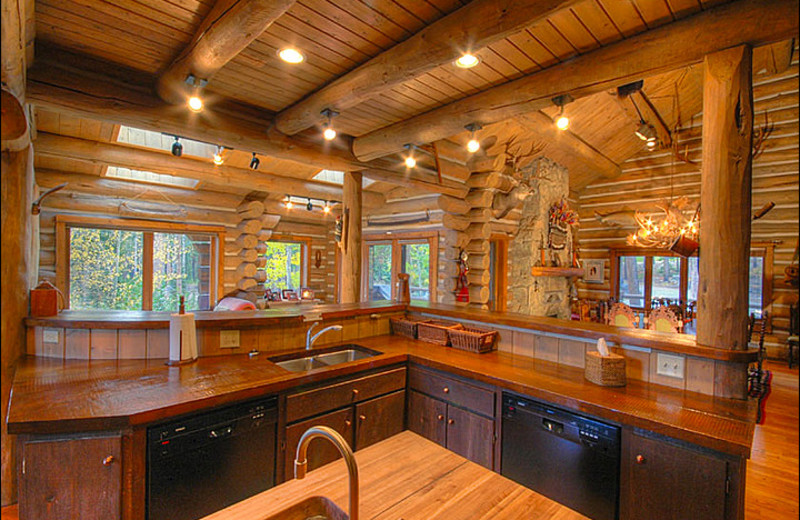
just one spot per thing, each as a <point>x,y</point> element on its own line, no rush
<point>408,477</point>
<point>77,396</point>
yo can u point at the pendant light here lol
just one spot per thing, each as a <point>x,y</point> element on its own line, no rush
<point>329,133</point>
<point>195,102</point>
<point>562,121</point>
<point>409,160</point>
<point>473,145</point>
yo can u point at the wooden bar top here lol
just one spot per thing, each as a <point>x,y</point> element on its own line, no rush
<point>51,396</point>
<point>410,478</point>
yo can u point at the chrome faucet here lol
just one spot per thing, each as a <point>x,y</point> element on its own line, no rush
<point>323,432</point>
<point>311,339</point>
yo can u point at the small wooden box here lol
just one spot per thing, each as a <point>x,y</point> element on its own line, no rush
<point>605,370</point>
<point>44,302</point>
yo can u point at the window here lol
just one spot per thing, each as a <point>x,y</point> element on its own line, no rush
<point>117,264</point>
<point>386,256</point>
<point>643,276</point>
<point>286,263</point>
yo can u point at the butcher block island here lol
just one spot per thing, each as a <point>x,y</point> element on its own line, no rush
<point>410,478</point>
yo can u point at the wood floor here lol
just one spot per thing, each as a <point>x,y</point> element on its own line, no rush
<point>772,472</point>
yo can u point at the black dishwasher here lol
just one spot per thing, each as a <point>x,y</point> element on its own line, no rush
<point>571,459</point>
<point>205,462</point>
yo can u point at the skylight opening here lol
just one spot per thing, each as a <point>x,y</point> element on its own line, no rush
<point>115,172</point>
<point>159,141</point>
<point>337,177</point>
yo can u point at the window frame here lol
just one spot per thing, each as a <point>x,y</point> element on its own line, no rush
<point>63,223</point>
<point>305,255</point>
<point>397,240</point>
<point>765,250</point>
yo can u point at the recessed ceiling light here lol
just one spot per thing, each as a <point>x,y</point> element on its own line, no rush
<point>467,61</point>
<point>290,55</point>
<point>195,103</point>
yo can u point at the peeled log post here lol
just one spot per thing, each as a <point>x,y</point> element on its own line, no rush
<point>350,284</point>
<point>725,196</point>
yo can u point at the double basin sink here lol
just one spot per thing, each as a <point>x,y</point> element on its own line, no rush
<point>309,360</point>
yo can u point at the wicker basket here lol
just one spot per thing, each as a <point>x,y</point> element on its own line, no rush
<point>434,331</point>
<point>473,339</point>
<point>605,370</point>
<point>404,326</point>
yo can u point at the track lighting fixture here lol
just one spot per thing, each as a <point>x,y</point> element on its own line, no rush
<point>473,145</point>
<point>310,205</point>
<point>326,208</point>
<point>410,161</point>
<point>254,162</point>
<point>218,159</point>
<point>329,133</point>
<point>562,121</point>
<point>195,102</point>
<point>467,61</point>
<point>177,147</point>
<point>289,204</point>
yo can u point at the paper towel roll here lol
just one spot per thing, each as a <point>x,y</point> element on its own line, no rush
<point>182,338</point>
<point>602,347</point>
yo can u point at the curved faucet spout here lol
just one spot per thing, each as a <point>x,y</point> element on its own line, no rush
<point>301,463</point>
<point>311,339</point>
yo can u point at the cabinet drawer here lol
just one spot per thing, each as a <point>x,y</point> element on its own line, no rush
<point>319,452</point>
<point>457,392</point>
<point>330,397</point>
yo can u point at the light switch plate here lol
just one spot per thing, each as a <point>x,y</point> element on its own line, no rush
<point>229,339</point>
<point>669,365</point>
<point>50,336</point>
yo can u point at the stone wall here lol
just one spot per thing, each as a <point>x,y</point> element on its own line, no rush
<point>539,295</point>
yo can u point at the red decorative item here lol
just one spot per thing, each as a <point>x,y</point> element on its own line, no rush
<point>462,285</point>
<point>44,300</point>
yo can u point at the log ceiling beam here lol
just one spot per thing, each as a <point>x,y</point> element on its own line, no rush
<point>111,154</point>
<point>470,28</point>
<point>682,43</point>
<point>227,30</point>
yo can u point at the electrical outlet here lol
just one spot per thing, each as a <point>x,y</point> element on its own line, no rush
<point>50,336</point>
<point>669,365</point>
<point>229,339</point>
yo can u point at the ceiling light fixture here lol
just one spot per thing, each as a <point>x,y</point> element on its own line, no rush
<point>218,159</point>
<point>195,102</point>
<point>254,162</point>
<point>562,121</point>
<point>310,205</point>
<point>177,147</point>
<point>467,61</point>
<point>410,161</point>
<point>329,133</point>
<point>473,145</point>
<point>291,55</point>
<point>646,132</point>
<point>289,204</point>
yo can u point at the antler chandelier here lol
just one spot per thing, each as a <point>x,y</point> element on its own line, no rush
<point>663,233</point>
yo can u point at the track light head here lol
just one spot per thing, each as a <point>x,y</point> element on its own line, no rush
<point>326,208</point>
<point>218,159</point>
<point>254,162</point>
<point>177,147</point>
<point>310,205</point>
<point>289,204</point>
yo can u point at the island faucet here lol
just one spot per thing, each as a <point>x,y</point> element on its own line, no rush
<point>311,339</point>
<point>323,432</point>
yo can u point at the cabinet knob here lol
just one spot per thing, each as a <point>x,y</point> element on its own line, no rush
<point>362,417</point>
<point>108,460</point>
<point>355,393</point>
<point>348,422</point>
<point>440,417</point>
<point>446,390</point>
<point>640,459</point>
<point>451,421</point>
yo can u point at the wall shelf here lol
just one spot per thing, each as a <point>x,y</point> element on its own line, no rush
<point>557,271</point>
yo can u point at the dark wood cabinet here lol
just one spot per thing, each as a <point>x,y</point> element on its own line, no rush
<point>454,413</point>
<point>320,452</point>
<point>379,419</point>
<point>71,478</point>
<point>662,479</point>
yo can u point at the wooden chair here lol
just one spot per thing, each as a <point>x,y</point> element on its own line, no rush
<point>759,381</point>
<point>664,319</point>
<point>621,315</point>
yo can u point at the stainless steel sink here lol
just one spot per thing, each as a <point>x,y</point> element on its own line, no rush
<point>306,360</point>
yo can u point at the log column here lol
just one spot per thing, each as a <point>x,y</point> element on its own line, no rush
<point>350,284</point>
<point>726,179</point>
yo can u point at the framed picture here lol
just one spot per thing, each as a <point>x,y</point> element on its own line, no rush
<point>289,295</point>
<point>594,271</point>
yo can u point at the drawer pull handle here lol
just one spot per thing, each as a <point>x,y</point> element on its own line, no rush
<point>446,390</point>
<point>440,417</point>
<point>108,460</point>
<point>451,421</point>
<point>640,459</point>
<point>362,417</point>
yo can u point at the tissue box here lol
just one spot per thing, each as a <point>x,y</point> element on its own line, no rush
<point>605,370</point>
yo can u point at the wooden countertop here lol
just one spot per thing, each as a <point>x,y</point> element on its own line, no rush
<point>426,483</point>
<point>50,396</point>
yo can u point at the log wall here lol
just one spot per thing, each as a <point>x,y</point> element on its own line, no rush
<point>645,181</point>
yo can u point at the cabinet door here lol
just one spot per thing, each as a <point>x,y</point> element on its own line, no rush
<point>426,417</point>
<point>71,478</point>
<point>470,436</point>
<point>669,482</point>
<point>380,418</point>
<point>320,452</point>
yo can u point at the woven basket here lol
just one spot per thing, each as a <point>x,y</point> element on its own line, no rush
<point>434,331</point>
<point>404,326</point>
<point>605,370</point>
<point>473,339</point>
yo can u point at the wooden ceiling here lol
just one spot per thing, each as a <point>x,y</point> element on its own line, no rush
<point>337,36</point>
